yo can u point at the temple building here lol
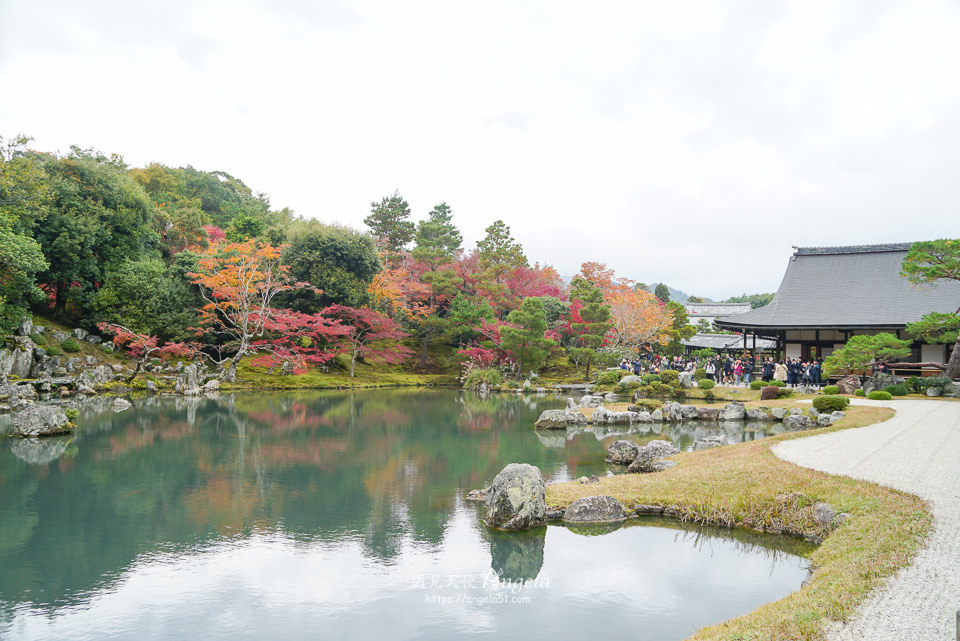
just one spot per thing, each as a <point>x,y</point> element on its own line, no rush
<point>829,294</point>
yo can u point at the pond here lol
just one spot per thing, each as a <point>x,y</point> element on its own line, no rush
<point>341,515</point>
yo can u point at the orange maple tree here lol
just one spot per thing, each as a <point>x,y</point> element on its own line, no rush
<point>638,318</point>
<point>238,281</point>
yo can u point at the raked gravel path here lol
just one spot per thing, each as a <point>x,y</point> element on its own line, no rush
<point>917,451</point>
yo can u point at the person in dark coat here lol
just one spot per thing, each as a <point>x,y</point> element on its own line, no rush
<point>768,370</point>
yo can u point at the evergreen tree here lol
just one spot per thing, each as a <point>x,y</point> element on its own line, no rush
<point>593,324</point>
<point>389,222</point>
<point>662,292</point>
<point>929,262</point>
<point>526,339</point>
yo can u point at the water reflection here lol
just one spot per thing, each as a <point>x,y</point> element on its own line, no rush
<point>184,507</point>
<point>517,556</point>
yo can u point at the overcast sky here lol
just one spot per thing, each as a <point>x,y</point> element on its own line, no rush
<point>691,143</point>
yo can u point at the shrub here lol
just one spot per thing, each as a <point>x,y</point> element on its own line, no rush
<point>38,338</point>
<point>859,392</point>
<point>784,392</point>
<point>72,415</point>
<point>70,346</point>
<point>831,390</point>
<point>648,404</point>
<point>896,390</point>
<point>699,374</point>
<point>705,383</point>
<point>53,350</point>
<point>921,385</point>
<point>643,391</point>
<point>489,375</point>
<point>777,383</point>
<point>879,395</point>
<point>652,378</point>
<point>709,395</point>
<point>626,388</point>
<point>669,376</point>
<point>831,403</point>
<point>755,385</point>
<point>610,377</point>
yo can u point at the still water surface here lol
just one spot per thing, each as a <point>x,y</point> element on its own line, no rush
<point>340,515</point>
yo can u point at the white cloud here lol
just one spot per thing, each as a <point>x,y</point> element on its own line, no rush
<point>685,143</point>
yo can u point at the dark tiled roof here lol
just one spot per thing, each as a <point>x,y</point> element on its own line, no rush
<point>848,287</point>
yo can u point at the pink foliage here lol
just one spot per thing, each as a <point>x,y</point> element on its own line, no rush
<point>479,357</point>
<point>214,233</point>
<point>302,339</point>
<point>370,334</point>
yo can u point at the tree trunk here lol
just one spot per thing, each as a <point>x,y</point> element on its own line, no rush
<point>135,371</point>
<point>230,375</point>
<point>953,365</point>
<point>423,353</point>
<point>60,301</point>
<point>353,359</point>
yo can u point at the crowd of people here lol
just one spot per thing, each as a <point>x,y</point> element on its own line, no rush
<point>736,371</point>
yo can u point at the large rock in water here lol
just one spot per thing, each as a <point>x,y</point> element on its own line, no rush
<point>595,509</point>
<point>559,419</point>
<point>689,412</point>
<point>516,498</point>
<point>603,416</point>
<point>193,379</point>
<point>591,401</point>
<point>708,413</point>
<point>732,412</point>
<point>672,413</point>
<point>622,452</point>
<point>849,384</point>
<point>798,421</point>
<point>757,414</point>
<point>39,420</point>
<point>648,458</point>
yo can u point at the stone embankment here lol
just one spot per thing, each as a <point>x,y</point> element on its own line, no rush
<point>573,416</point>
<point>30,376</point>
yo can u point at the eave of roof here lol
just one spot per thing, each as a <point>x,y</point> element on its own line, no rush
<point>847,288</point>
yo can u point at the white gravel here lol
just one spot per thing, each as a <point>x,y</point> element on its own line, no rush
<point>917,451</point>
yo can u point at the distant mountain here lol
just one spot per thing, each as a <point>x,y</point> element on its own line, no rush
<point>676,295</point>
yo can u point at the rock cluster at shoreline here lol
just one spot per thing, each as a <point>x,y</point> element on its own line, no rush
<point>29,376</point>
<point>677,413</point>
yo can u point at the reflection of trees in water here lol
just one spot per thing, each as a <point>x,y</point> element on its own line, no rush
<point>379,467</point>
<point>775,547</point>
